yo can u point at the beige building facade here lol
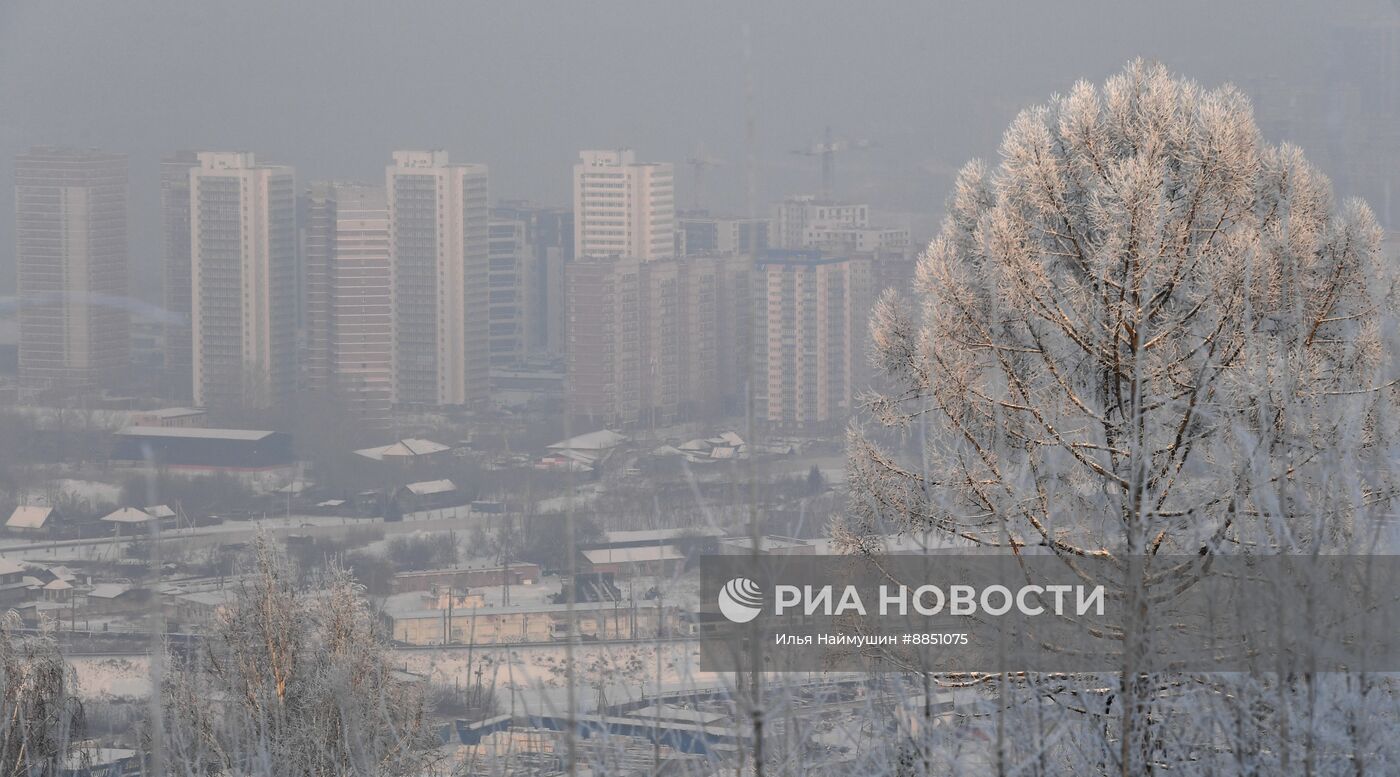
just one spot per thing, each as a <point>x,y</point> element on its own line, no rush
<point>349,304</point>
<point>810,322</point>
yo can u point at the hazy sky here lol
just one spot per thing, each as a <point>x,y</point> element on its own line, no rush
<point>332,86</point>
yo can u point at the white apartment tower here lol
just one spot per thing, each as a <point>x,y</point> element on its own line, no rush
<point>439,258</point>
<point>623,207</point>
<point>243,280</point>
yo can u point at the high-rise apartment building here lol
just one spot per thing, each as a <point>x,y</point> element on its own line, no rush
<point>349,307</point>
<point>439,255</point>
<point>807,222</point>
<point>657,341</point>
<point>316,214</point>
<point>508,278</point>
<point>603,384</point>
<point>695,315</point>
<point>623,207</point>
<point>810,319</point>
<point>175,233</point>
<point>794,215</point>
<point>734,313</point>
<point>697,232</point>
<point>663,345</point>
<point>71,251</point>
<point>549,233</point>
<point>243,281</point>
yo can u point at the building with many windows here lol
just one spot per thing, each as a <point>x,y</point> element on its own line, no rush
<point>794,216</point>
<point>349,306</point>
<point>509,281</point>
<point>652,342</point>
<point>549,237</point>
<point>603,384</point>
<point>623,207</point>
<point>439,260</point>
<point>243,280</point>
<point>810,322</point>
<point>697,232</point>
<point>316,214</point>
<point>71,252</point>
<point>808,222</point>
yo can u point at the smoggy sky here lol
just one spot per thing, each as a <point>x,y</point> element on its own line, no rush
<point>332,87</point>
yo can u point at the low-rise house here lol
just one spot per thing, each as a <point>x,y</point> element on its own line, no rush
<point>583,453</point>
<point>58,590</point>
<point>406,451</point>
<point>197,608</point>
<point>113,599</point>
<point>724,447</point>
<point>429,495</point>
<point>129,520</point>
<point>34,521</point>
<point>163,513</point>
<point>13,587</point>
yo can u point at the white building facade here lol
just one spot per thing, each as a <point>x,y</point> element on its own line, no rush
<point>438,253</point>
<point>623,207</point>
<point>243,280</point>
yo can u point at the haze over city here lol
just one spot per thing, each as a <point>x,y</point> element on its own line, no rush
<point>523,87</point>
<point>670,389</point>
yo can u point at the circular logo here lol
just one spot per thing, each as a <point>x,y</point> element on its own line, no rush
<point>740,600</point>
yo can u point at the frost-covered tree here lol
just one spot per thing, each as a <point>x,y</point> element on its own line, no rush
<point>42,718</point>
<point>294,683</point>
<point>1145,331</point>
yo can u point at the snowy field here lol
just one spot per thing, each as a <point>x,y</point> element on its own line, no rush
<point>533,677</point>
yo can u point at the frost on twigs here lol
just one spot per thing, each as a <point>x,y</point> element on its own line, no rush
<point>1146,333</point>
<point>42,716</point>
<point>1145,329</point>
<point>294,683</point>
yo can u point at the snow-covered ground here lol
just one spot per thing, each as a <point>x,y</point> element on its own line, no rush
<point>534,677</point>
<point>112,678</point>
<point>582,497</point>
<point>98,549</point>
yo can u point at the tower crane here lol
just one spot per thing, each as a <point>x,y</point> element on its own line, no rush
<point>827,150</point>
<point>699,162</point>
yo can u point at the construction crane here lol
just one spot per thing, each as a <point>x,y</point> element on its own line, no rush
<point>827,150</point>
<point>699,162</point>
